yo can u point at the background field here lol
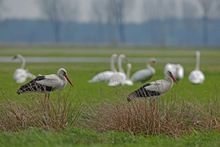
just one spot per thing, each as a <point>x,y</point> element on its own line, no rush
<point>84,92</point>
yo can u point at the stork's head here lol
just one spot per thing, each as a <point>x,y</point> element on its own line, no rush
<point>63,72</point>
<point>172,77</point>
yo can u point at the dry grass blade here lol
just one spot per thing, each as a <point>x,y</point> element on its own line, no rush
<point>15,116</point>
<point>153,117</point>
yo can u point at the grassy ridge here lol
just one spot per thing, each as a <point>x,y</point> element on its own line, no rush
<point>96,93</point>
<point>79,137</point>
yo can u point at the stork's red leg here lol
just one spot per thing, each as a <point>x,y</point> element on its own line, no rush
<point>45,101</point>
<point>48,101</point>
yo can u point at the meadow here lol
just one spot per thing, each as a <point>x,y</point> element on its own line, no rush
<point>82,115</point>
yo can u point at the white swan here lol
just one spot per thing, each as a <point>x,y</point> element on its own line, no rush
<point>128,81</point>
<point>21,74</point>
<point>144,74</point>
<point>176,69</point>
<point>105,76</point>
<point>117,78</point>
<point>196,76</point>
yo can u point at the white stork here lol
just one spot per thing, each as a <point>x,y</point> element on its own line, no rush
<point>105,76</point>
<point>154,89</point>
<point>144,74</point>
<point>117,78</point>
<point>47,83</point>
<point>128,81</point>
<point>176,69</point>
<point>196,76</point>
<point>20,75</point>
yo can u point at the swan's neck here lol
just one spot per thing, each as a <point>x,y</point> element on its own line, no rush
<point>22,62</point>
<point>128,72</point>
<point>112,64</point>
<point>120,65</point>
<point>150,68</point>
<point>197,60</point>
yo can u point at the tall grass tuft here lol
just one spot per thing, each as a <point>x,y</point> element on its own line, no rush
<point>154,117</point>
<point>15,116</point>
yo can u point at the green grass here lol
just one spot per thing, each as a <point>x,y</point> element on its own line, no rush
<point>80,137</point>
<point>96,93</point>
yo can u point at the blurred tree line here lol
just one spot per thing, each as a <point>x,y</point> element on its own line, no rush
<point>115,15</point>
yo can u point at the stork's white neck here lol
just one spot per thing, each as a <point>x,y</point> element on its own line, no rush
<point>60,74</point>
<point>169,82</point>
<point>63,79</point>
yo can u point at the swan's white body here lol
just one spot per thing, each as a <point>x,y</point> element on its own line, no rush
<point>176,69</point>
<point>144,75</point>
<point>106,75</point>
<point>118,77</point>
<point>20,75</point>
<point>196,76</point>
<point>127,80</point>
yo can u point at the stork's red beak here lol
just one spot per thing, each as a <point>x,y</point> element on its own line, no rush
<point>68,79</point>
<point>174,79</point>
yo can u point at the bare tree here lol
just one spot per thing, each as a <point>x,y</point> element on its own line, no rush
<point>189,10</point>
<point>1,8</point>
<point>57,12</point>
<point>98,15</point>
<point>115,11</point>
<point>206,6</point>
<point>159,11</point>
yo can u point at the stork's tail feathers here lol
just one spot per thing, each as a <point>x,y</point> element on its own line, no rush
<point>18,92</point>
<point>141,92</point>
<point>24,89</point>
<point>131,96</point>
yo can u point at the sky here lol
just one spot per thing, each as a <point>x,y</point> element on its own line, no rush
<point>21,9</point>
<point>29,9</point>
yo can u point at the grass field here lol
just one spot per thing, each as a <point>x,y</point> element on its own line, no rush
<point>85,96</point>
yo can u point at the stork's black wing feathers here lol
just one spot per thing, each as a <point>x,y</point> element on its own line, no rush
<point>143,93</point>
<point>39,78</point>
<point>33,86</point>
